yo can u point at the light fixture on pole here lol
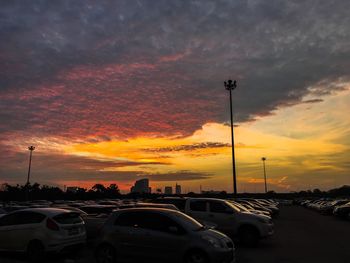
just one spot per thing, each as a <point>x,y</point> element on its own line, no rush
<point>31,149</point>
<point>264,159</point>
<point>230,86</point>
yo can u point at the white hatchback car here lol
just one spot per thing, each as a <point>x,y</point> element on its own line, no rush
<point>39,230</point>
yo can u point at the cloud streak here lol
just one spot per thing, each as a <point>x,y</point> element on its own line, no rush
<point>189,147</point>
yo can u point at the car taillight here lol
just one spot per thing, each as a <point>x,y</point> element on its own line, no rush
<point>50,224</point>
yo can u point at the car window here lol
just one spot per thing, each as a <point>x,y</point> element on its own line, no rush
<point>8,220</point>
<point>198,205</point>
<point>128,219</point>
<point>218,207</point>
<point>179,203</point>
<point>148,220</point>
<point>68,218</point>
<point>160,222</point>
<point>22,217</point>
<point>31,217</point>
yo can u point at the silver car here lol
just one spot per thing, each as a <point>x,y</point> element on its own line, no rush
<point>160,235</point>
<point>40,230</point>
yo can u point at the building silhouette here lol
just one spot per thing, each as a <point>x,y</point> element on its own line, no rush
<point>168,190</point>
<point>177,189</point>
<point>141,186</point>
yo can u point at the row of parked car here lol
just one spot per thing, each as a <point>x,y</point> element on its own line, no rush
<point>170,229</point>
<point>337,207</point>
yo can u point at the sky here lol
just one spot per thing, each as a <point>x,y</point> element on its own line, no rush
<point>115,91</point>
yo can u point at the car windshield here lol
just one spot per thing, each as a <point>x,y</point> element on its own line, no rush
<point>190,223</point>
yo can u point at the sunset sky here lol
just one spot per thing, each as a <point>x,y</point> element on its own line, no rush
<point>115,91</point>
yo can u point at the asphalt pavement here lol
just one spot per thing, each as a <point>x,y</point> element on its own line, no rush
<point>302,236</point>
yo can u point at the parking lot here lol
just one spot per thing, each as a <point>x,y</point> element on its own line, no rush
<point>301,236</point>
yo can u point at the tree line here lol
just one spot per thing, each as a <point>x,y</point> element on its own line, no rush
<point>99,191</point>
<point>36,191</point>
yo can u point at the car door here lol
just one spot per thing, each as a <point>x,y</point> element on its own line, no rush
<point>129,236</point>
<point>165,239</point>
<point>17,228</point>
<point>198,209</point>
<point>223,215</point>
<point>8,225</point>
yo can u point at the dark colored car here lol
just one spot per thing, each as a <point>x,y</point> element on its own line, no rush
<point>160,235</point>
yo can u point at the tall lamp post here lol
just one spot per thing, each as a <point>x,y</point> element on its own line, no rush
<point>31,149</point>
<point>264,159</point>
<point>230,86</point>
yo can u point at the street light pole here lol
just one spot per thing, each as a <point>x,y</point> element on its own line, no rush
<point>231,85</point>
<point>264,159</point>
<point>31,149</point>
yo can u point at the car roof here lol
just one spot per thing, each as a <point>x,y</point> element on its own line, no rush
<point>48,211</point>
<point>207,199</point>
<point>144,209</point>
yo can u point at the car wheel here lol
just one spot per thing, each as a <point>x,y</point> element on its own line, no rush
<point>35,251</point>
<point>249,236</point>
<point>196,256</point>
<point>105,254</point>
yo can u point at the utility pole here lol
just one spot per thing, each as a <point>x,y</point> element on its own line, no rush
<point>31,149</point>
<point>230,86</point>
<point>264,159</point>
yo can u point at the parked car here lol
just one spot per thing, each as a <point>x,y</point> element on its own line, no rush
<point>98,209</point>
<point>39,230</point>
<point>242,208</point>
<point>342,210</point>
<point>244,226</point>
<point>179,202</point>
<point>251,205</point>
<point>160,235</point>
<point>328,207</point>
<point>167,206</point>
<point>93,222</point>
<point>263,205</point>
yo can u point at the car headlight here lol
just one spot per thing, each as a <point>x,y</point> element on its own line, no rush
<point>213,241</point>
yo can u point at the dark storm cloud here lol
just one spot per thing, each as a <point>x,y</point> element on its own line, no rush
<point>126,68</point>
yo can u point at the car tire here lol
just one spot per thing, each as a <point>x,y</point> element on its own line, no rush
<point>249,236</point>
<point>196,256</point>
<point>105,254</point>
<point>36,251</point>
